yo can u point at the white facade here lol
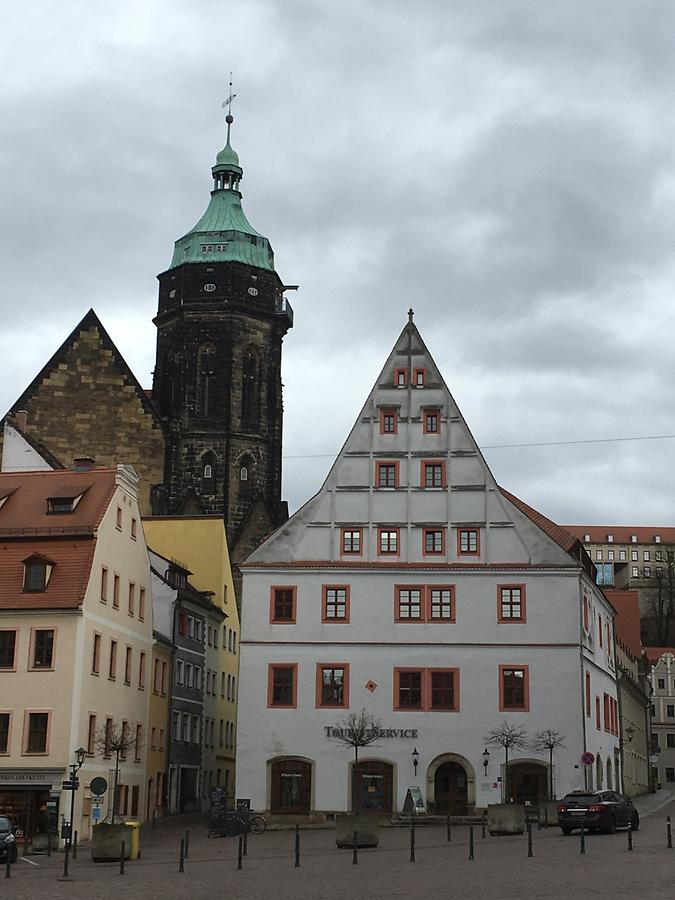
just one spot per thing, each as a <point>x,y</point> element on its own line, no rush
<point>413,587</point>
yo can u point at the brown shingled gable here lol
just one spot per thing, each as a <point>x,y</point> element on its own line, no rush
<point>557,533</point>
<point>26,506</point>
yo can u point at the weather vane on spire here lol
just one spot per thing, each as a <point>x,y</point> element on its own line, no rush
<point>228,104</point>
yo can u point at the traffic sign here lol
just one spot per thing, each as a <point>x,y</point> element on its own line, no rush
<point>98,786</point>
<point>71,785</point>
<point>587,758</point>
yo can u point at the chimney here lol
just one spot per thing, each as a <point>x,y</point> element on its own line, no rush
<point>83,464</point>
<point>21,419</point>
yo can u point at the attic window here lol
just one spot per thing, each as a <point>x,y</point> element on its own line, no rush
<point>4,497</point>
<point>58,505</point>
<point>657,537</point>
<point>610,538</point>
<point>587,538</point>
<point>633,539</point>
<point>36,573</point>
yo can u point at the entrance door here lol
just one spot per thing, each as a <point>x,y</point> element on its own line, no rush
<point>528,783</point>
<point>451,789</point>
<point>372,787</point>
<point>291,786</point>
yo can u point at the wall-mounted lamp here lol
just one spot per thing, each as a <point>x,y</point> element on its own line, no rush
<point>629,734</point>
<point>486,760</point>
<point>415,756</point>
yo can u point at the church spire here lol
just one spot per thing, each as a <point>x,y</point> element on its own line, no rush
<point>227,173</point>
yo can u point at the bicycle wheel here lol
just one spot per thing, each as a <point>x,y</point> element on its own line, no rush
<point>257,824</point>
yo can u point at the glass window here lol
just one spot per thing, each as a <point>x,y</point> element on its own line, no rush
<point>468,540</point>
<point>442,690</point>
<point>441,603</point>
<point>513,688</point>
<point>610,554</point>
<point>634,572</point>
<point>351,540</point>
<point>634,555</point>
<point>386,475</point>
<point>433,540</point>
<point>511,603</point>
<point>283,683</point>
<point>4,732</point>
<point>622,554</point>
<point>388,421</point>
<point>670,774</point>
<point>670,711</point>
<point>388,541</point>
<point>43,649</point>
<point>7,649</point>
<point>283,605</point>
<point>605,573</point>
<point>670,740</point>
<point>38,724</point>
<point>36,576</point>
<point>410,690</point>
<point>431,421</point>
<point>410,603</point>
<point>646,556</point>
<point>332,685</point>
<point>433,475</point>
<point>661,684</point>
<point>335,603</point>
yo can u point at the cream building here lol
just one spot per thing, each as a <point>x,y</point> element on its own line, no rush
<point>75,641</point>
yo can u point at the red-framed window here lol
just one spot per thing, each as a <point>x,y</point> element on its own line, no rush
<point>588,693</point>
<point>388,541</point>
<point>600,628</point>
<point>400,377</point>
<point>586,614</point>
<point>598,723</point>
<point>433,473</point>
<point>514,688</point>
<point>283,603</point>
<point>433,541</point>
<point>430,690</point>
<point>332,685</point>
<point>335,603</point>
<point>419,377</point>
<point>386,474</point>
<point>511,603</point>
<point>607,712</point>
<point>282,685</point>
<point>468,542</point>
<point>420,603</point>
<point>431,422</point>
<point>351,541</point>
<point>388,421</point>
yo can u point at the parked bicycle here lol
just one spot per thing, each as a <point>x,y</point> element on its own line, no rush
<point>237,821</point>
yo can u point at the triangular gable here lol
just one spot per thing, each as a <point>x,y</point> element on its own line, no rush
<point>411,385</point>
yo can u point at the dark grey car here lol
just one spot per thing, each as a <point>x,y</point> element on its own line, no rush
<point>7,840</point>
<point>596,811</point>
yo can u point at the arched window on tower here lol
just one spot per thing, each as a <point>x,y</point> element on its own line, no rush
<point>208,463</point>
<point>250,390</point>
<point>206,378</point>
<point>246,473</point>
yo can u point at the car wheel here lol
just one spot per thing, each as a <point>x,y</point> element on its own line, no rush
<point>635,822</point>
<point>611,828</point>
<point>566,831</point>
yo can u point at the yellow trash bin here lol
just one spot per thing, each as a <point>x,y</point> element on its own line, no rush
<point>135,850</point>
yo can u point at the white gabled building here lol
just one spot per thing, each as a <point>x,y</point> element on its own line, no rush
<point>414,587</point>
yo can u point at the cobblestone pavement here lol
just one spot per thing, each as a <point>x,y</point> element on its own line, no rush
<point>501,867</point>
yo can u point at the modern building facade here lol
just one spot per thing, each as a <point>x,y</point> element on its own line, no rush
<point>414,588</point>
<point>75,642</point>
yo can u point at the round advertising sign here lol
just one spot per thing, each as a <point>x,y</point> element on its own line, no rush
<point>587,758</point>
<point>98,786</point>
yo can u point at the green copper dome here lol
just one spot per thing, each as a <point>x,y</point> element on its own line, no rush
<point>224,234</point>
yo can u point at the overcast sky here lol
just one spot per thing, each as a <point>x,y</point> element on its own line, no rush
<point>506,168</point>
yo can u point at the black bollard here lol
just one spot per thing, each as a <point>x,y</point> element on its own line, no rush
<point>582,840</point>
<point>122,854</point>
<point>483,824</point>
<point>449,831</point>
<point>412,839</point>
<point>49,841</point>
<point>355,854</point>
<point>297,846</point>
<point>181,856</point>
<point>529,839</point>
<point>187,842</point>
<point>240,852</point>
<point>66,860</point>
<point>630,836</point>
<point>8,867</point>
<point>75,846</point>
<point>470,841</point>
<point>246,842</point>
<point>669,833</point>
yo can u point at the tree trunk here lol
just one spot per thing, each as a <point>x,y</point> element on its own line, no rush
<point>114,796</point>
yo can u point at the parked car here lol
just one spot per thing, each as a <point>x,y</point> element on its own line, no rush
<point>596,811</point>
<point>7,840</point>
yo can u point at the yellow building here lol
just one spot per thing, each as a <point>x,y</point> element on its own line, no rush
<point>200,544</point>
<point>158,728</point>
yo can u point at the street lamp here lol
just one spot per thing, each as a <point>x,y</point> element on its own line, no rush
<point>415,756</point>
<point>630,732</point>
<point>486,760</point>
<point>73,784</point>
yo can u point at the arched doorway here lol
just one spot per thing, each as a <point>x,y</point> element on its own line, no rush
<point>451,789</point>
<point>372,787</point>
<point>609,774</point>
<point>451,785</point>
<point>290,786</point>
<point>527,782</point>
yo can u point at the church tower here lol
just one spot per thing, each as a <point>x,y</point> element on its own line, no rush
<point>220,324</point>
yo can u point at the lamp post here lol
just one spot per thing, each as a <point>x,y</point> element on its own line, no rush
<point>415,756</point>
<point>80,756</point>
<point>486,761</point>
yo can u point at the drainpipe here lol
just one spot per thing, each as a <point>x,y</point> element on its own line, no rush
<point>581,672</point>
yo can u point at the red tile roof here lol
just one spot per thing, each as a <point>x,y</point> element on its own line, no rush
<point>560,534</point>
<point>654,654</point>
<point>627,620</point>
<point>69,539</point>
<point>622,533</point>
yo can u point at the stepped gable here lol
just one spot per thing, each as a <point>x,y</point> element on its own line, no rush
<point>86,401</point>
<point>65,542</point>
<point>411,384</point>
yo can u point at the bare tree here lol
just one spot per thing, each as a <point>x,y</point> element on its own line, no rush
<point>662,597</point>
<point>510,737</point>
<point>357,730</point>
<point>548,739</point>
<point>115,740</point>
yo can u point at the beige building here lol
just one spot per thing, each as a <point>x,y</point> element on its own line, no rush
<point>634,712</point>
<point>75,642</point>
<point>158,728</point>
<point>200,544</point>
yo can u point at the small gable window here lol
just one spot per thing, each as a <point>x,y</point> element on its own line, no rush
<point>61,504</point>
<point>209,472</point>
<point>243,474</point>
<point>420,377</point>
<point>37,571</point>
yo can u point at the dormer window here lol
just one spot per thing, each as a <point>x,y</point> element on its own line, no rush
<point>36,573</point>
<point>4,496</point>
<point>610,538</point>
<point>61,504</point>
<point>657,538</point>
<point>633,539</point>
<point>587,538</point>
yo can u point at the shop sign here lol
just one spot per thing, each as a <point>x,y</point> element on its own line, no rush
<point>408,733</point>
<point>30,776</point>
